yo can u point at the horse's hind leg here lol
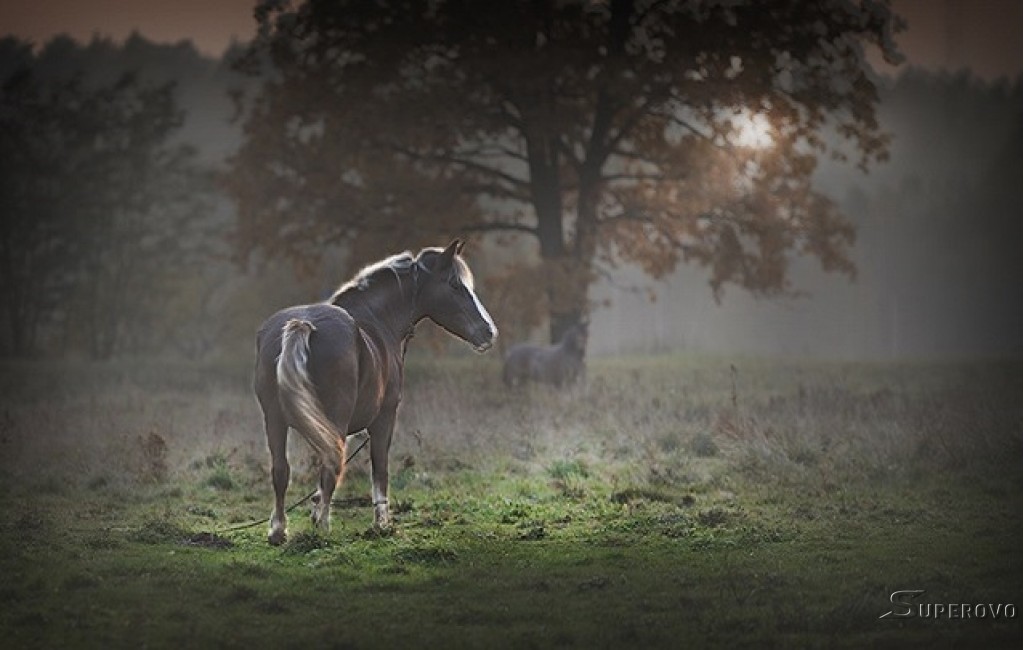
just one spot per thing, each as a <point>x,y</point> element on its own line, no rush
<point>330,477</point>
<point>277,440</point>
<point>331,474</point>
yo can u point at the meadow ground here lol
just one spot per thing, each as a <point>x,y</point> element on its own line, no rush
<point>671,502</point>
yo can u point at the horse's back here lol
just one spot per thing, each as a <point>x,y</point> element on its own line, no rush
<point>551,364</point>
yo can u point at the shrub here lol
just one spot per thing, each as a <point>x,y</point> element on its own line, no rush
<point>563,469</point>
<point>152,451</point>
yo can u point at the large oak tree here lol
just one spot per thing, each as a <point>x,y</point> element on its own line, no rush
<point>650,132</point>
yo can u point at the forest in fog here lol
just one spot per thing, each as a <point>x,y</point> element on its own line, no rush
<point>90,273</point>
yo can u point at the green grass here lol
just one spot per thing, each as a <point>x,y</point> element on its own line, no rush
<point>671,504</point>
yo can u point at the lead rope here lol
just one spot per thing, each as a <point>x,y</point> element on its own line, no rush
<point>295,505</point>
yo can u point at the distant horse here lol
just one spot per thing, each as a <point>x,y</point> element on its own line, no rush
<point>559,364</point>
<point>335,368</point>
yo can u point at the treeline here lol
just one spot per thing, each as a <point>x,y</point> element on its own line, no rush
<point>117,238</point>
<point>97,200</point>
<point>112,221</point>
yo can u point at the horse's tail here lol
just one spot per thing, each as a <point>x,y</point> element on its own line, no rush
<point>298,395</point>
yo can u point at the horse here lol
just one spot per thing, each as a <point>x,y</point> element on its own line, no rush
<point>559,364</point>
<point>335,368</point>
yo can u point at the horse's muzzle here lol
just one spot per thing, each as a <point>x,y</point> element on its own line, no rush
<point>486,341</point>
<point>483,347</point>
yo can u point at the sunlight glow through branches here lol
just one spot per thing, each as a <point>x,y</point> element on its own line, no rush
<point>753,131</point>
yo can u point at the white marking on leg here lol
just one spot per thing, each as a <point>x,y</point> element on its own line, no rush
<point>278,528</point>
<point>381,514</point>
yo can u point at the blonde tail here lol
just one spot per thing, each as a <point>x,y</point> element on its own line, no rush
<point>298,396</point>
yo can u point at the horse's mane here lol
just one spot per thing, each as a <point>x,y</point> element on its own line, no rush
<point>397,265</point>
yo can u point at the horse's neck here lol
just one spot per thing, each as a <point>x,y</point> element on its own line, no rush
<point>568,348</point>
<point>383,309</point>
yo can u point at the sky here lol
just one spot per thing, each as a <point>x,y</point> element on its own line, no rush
<point>983,35</point>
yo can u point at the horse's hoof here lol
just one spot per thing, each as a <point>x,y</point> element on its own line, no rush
<point>384,526</point>
<point>379,532</point>
<point>277,537</point>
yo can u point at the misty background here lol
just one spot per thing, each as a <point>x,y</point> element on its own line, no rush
<point>935,236</point>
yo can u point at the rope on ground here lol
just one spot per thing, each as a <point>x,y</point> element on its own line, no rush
<point>257,522</point>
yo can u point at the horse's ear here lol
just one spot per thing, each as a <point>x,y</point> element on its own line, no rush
<point>462,245</point>
<point>449,254</point>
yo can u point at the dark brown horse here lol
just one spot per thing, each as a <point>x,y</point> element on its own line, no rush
<point>559,364</point>
<point>335,368</point>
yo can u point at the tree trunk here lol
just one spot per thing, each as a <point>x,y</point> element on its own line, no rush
<point>574,265</point>
<point>575,272</point>
<point>546,196</point>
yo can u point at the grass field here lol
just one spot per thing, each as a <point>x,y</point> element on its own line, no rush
<point>672,502</point>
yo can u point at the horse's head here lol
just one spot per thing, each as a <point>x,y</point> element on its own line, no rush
<point>575,338</point>
<point>446,296</point>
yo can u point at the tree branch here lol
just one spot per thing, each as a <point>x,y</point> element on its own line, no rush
<point>451,159</point>
<point>657,178</point>
<point>494,151</point>
<point>631,121</point>
<point>495,226</point>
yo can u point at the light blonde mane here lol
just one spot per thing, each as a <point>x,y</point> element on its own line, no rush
<point>397,265</point>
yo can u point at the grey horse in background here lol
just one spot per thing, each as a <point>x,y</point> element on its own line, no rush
<point>335,368</point>
<point>561,364</point>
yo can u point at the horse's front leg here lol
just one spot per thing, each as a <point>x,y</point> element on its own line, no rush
<point>380,443</point>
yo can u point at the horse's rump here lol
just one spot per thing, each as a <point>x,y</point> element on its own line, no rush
<point>298,395</point>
